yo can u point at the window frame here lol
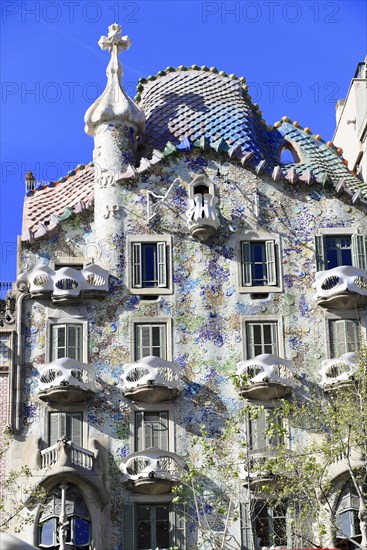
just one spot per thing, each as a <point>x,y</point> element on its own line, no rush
<point>54,518</point>
<point>271,243</point>
<point>68,414</point>
<point>152,321</point>
<point>254,426</point>
<point>262,319</point>
<point>248,524</point>
<point>358,239</point>
<point>52,321</point>
<point>162,418</point>
<point>167,276</point>
<point>153,408</point>
<point>337,315</point>
<point>177,523</point>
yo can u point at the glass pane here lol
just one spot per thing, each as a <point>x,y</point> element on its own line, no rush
<point>144,527</point>
<point>162,526</point>
<point>261,526</point>
<point>47,532</point>
<point>258,264</point>
<point>81,531</point>
<point>149,253</point>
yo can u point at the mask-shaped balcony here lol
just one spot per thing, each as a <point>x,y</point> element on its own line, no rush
<point>202,216</point>
<point>66,381</point>
<point>65,284</point>
<point>152,472</point>
<point>66,454</point>
<point>265,377</point>
<point>343,287</point>
<point>338,372</point>
<point>152,380</point>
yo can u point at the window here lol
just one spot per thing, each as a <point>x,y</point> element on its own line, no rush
<point>78,530</point>
<point>153,526</point>
<point>258,438</point>
<point>261,337</point>
<point>151,430</point>
<point>347,514</point>
<point>259,268</point>
<point>268,524</point>
<point>337,250</point>
<point>4,352</point>
<point>159,526</point>
<point>69,424</point>
<point>258,263</point>
<point>344,336</point>
<point>67,341</point>
<point>149,272</point>
<point>150,339</point>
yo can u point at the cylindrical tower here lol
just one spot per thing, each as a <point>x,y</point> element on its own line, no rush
<point>115,121</point>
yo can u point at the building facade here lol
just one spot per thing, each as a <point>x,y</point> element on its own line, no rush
<point>189,250</point>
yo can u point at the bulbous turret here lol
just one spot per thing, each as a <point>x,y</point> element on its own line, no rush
<point>114,105</point>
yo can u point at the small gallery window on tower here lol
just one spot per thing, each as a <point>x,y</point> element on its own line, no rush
<point>149,270</point>
<point>259,267</point>
<point>289,155</point>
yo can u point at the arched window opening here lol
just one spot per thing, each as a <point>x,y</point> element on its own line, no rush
<point>65,521</point>
<point>347,518</point>
<point>289,155</point>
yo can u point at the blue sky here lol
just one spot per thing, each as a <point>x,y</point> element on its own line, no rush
<point>298,59</point>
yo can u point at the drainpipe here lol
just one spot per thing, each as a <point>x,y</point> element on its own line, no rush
<point>19,362</point>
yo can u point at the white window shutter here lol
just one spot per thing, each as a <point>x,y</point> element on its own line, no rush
<point>163,418</point>
<point>55,427</point>
<point>359,256</point>
<point>320,253</point>
<point>250,340</point>
<point>162,265</point>
<point>143,341</point>
<point>76,434</point>
<point>270,263</point>
<point>139,423</point>
<point>351,335</point>
<point>163,343</point>
<point>338,338</point>
<point>274,338</point>
<point>246,264</point>
<point>58,341</point>
<point>261,439</point>
<point>137,265</point>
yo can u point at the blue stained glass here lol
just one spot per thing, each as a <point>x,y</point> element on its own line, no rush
<point>81,532</point>
<point>47,532</point>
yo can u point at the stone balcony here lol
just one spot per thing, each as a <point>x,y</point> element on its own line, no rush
<point>66,381</point>
<point>265,377</point>
<point>202,216</point>
<point>152,380</point>
<point>338,372</point>
<point>152,471</point>
<point>66,454</point>
<point>343,287</point>
<point>65,284</point>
